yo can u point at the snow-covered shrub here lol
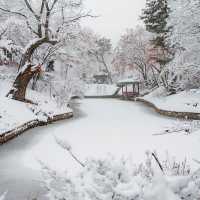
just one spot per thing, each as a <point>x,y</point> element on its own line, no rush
<point>100,179</point>
<point>184,37</point>
<point>114,179</point>
<point>8,51</point>
<point>175,168</point>
<point>62,90</point>
<point>60,86</point>
<point>183,77</point>
<point>41,114</point>
<point>121,179</point>
<point>60,186</point>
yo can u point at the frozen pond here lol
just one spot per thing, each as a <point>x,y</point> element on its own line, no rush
<point>100,126</point>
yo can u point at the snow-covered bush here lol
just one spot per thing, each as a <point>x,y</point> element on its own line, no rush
<point>121,179</point>
<point>61,86</point>
<point>8,50</point>
<point>184,38</point>
<point>60,186</point>
<point>183,77</point>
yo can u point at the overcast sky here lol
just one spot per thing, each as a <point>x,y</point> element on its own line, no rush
<point>115,16</point>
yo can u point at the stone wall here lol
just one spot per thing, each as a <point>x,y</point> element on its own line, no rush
<point>9,135</point>
<point>181,115</point>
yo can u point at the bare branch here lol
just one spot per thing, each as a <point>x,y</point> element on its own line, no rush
<point>31,29</point>
<point>3,32</point>
<point>42,8</point>
<point>68,148</point>
<point>54,3</point>
<point>158,162</point>
<point>13,12</point>
<point>31,9</point>
<point>73,20</point>
<point>46,24</point>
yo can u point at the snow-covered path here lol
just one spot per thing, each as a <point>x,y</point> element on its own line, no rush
<point>99,127</point>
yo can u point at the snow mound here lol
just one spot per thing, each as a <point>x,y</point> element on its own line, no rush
<point>185,101</point>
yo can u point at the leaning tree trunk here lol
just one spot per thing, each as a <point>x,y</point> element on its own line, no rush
<point>20,84</point>
<point>26,71</point>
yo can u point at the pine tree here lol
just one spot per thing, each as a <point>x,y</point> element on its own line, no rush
<point>155,17</point>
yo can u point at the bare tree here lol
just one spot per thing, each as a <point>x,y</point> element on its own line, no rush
<point>49,22</point>
<point>132,51</point>
<point>101,52</point>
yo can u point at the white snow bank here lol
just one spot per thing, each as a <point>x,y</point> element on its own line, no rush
<point>47,105</point>
<point>186,101</point>
<point>100,90</point>
<point>14,113</point>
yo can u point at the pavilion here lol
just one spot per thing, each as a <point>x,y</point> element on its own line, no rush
<point>130,88</point>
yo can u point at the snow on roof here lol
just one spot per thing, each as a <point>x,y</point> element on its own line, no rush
<point>128,81</point>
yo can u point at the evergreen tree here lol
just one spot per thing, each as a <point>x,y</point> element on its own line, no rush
<point>155,17</point>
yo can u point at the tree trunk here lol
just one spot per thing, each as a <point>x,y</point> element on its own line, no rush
<point>20,84</point>
<point>26,57</point>
<point>23,78</point>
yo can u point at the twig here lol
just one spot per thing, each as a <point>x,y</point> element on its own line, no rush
<point>76,159</point>
<point>64,145</point>
<point>157,160</point>
<point>166,132</point>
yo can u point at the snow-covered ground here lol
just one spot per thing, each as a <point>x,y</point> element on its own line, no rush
<point>186,101</point>
<point>100,90</point>
<point>14,113</point>
<point>100,127</point>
